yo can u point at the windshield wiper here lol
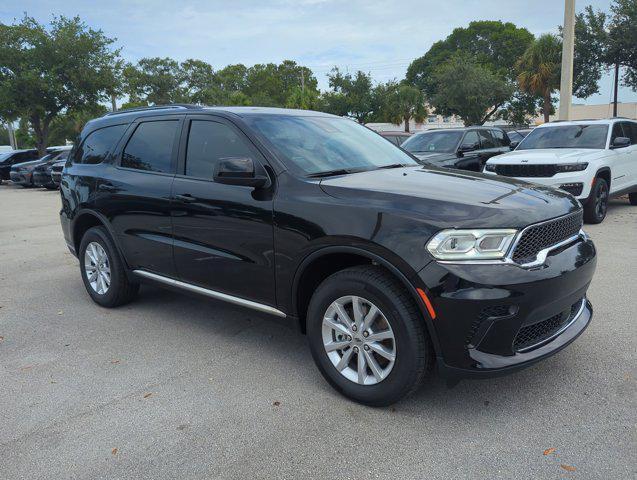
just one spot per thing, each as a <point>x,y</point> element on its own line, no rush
<point>393,165</point>
<point>338,171</point>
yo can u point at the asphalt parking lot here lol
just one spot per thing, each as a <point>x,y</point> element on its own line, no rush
<point>173,386</point>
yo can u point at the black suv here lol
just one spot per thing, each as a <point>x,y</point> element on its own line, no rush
<point>462,148</point>
<point>388,266</point>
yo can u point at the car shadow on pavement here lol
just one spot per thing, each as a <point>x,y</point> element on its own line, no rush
<point>276,341</point>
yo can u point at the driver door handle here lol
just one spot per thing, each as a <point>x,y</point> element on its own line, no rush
<point>185,198</point>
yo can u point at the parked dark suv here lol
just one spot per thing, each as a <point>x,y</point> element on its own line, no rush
<point>462,148</point>
<point>388,266</point>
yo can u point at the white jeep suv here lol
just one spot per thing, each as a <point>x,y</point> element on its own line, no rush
<point>591,159</point>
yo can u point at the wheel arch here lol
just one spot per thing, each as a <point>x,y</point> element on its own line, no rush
<point>604,172</point>
<point>87,219</point>
<point>328,260</point>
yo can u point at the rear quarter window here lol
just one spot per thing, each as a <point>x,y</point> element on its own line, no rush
<point>99,144</point>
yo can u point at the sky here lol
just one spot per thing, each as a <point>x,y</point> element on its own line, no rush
<point>381,38</point>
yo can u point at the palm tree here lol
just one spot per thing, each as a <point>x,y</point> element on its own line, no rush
<point>403,103</point>
<point>539,69</point>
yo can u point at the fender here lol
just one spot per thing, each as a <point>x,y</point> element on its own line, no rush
<point>380,261</point>
<point>106,224</point>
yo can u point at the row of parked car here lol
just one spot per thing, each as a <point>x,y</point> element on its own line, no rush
<point>27,168</point>
<point>593,160</point>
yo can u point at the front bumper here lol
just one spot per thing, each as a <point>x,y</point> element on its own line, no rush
<point>484,313</point>
<point>21,178</point>
<point>42,178</point>
<point>559,179</point>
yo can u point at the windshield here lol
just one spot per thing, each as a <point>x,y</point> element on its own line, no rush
<point>4,156</point>
<point>434,142</point>
<point>566,136</point>
<point>313,145</point>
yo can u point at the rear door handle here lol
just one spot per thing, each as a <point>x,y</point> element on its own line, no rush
<point>106,187</point>
<point>185,198</point>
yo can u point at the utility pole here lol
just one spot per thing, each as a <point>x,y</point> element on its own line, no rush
<point>615,89</point>
<point>568,47</point>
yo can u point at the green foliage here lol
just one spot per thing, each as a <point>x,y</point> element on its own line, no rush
<point>494,45</point>
<point>154,80</point>
<point>4,136</point>
<point>590,40</point>
<point>47,71</point>
<point>621,41</point>
<point>401,103</point>
<point>539,69</point>
<point>351,95</point>
<point>468,89</point>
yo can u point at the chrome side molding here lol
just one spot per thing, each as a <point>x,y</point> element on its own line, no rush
<point>210,293</point>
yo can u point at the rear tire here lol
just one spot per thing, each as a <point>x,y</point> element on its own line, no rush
<point>110,290</point>
<point>397,313</point>
<point>597,204</point>
<point>632,198</point>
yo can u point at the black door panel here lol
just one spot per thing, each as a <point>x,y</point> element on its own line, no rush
<point>223,234</point>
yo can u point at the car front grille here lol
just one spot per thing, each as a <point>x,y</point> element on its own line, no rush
<point>535,335</point>
<point>543,235</point>
<point>526,170</point>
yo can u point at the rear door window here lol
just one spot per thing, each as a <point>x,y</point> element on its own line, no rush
<point>98,145</point>
<point>630,131</point>
<point>151,147</point>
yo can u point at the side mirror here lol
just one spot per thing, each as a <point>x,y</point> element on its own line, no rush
<point>239,171</point>
<point>513,144</point>
<point>620,142</point>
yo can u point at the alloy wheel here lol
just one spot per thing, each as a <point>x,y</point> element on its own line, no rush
<point>601,201</point>
<point>358,340</point>
<point>97,268</point>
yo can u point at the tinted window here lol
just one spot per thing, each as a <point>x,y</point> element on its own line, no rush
<point>486,140</point>
<point>26,156</point>
<point>471,138</point>
<point>150,148</point>
<point>501,139</point>
<point>209,142</point>
<point>617,132</point>
<point>566,136</point>
<point>437,142</point>
<point>99,144</point>
<point>629,131</point>
<point>630,128</point>
<point>316,144</point>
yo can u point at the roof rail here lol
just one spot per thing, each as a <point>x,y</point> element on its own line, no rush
<point>154,107</point>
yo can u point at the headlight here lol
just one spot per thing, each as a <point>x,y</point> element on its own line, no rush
<point>571,167</point>
<point>489,167</point>
<point>471,244</point>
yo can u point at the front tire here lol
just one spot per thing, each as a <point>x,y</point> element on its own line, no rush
<point>597,204</point>
<point>368,337</point>
<point>103,271</point>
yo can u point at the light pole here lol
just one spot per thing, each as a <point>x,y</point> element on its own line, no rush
<point>568,46</point>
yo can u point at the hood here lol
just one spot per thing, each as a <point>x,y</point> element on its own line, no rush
<point>548,156</point>
<point>31,163</point>
<point>453,198</point>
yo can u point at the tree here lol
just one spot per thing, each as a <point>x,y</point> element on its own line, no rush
<point>155,81</point>
<point>402,103</point>
<point>46,72</point>
<point>539,69</point>
<point>588,53</point>
<point>68,126</point>
<point>469,90</point>
<point>351,95</point>
<point>494,45</point>
<point>621,42</point>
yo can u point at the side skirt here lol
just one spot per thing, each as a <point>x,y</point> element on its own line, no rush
<point>210,293</point>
